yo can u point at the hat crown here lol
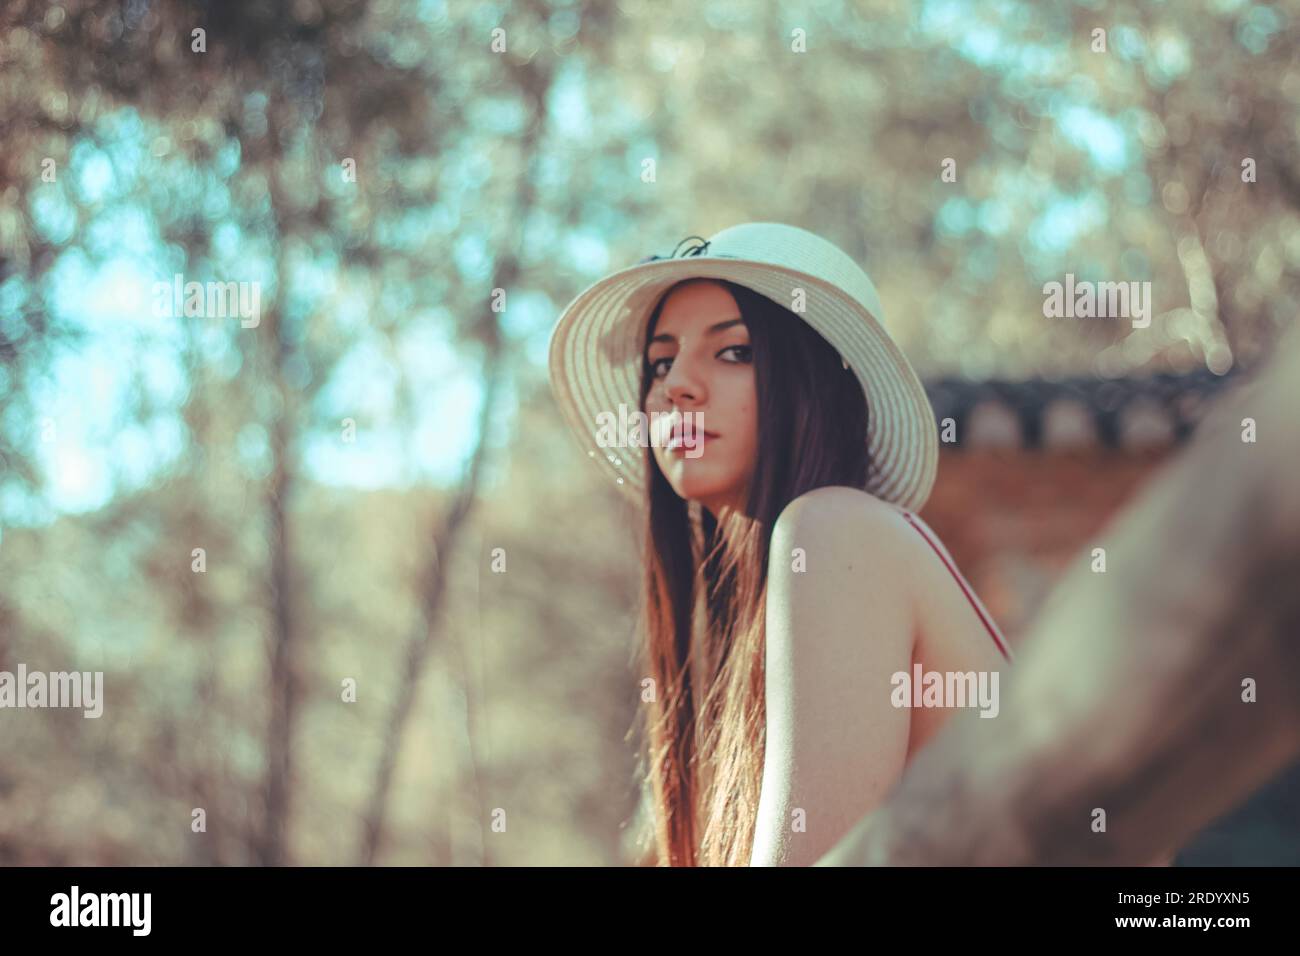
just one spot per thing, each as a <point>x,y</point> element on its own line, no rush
<point>793,248</point>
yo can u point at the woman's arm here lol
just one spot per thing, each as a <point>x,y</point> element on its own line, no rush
<point>836,633</point>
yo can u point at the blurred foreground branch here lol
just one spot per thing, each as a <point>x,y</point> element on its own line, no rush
<point>1130,693</point>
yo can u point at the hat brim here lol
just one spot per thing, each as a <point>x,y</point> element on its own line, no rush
<point>595,361</point>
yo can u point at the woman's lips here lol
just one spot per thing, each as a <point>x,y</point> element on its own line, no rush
<point>678,444</point>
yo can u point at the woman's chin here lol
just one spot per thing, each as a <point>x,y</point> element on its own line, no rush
<point>693,486</point>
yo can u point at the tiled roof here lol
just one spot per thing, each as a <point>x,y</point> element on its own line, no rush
<point>1081,412</point>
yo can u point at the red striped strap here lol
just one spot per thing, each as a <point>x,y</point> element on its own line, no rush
<point>984,616</point>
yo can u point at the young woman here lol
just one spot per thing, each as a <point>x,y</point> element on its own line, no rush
<point>787,578</point>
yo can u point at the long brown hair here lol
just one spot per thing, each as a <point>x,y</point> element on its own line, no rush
<point>812,427</point>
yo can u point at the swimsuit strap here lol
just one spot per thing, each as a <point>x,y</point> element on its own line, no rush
<point>989,624</point>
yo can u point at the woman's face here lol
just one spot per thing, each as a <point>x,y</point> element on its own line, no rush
<point>701,362</point>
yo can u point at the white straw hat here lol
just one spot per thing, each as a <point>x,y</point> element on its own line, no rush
<point>596,347</point>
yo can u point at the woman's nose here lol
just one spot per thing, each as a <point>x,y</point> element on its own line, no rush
<point>682,385</point>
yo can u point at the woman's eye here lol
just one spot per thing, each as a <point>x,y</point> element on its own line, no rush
<point>744,353</point>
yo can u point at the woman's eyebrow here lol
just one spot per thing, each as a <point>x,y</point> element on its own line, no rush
<point>712,329</point>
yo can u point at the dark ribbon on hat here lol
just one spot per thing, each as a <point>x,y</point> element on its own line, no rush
<point>696,250</point>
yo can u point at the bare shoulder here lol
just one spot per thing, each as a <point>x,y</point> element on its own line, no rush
<point>835,574</point>
<point>844,518</point>
<point>848,540</point>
